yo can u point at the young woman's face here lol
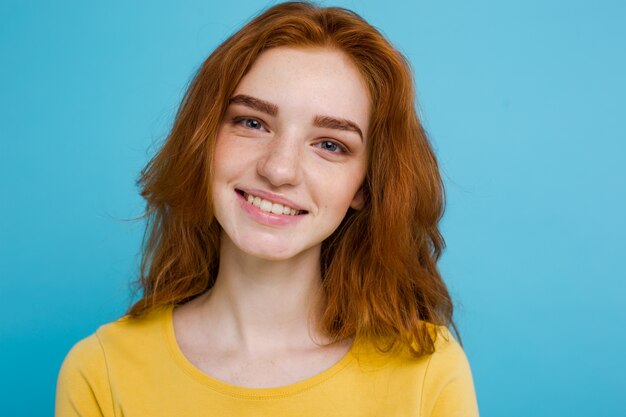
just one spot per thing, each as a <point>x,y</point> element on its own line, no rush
<point>291,154</point>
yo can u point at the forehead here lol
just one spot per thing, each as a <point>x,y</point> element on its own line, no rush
<point>306,81</point>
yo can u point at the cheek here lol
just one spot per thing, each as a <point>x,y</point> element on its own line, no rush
<point>338,187</point>
<point>338,195</point>
<point>227,160</point>
<point>219,156</point>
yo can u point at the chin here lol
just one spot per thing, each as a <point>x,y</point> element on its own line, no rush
<point>270,253</point>
<point>273,250</point>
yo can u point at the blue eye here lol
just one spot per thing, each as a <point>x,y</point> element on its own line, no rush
<point>252,124</point>
<point>329,145</point>
<point>248,123</point>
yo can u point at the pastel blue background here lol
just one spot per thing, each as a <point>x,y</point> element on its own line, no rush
<point>524,103</point>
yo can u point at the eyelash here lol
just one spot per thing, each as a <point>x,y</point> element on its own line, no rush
<point>238,121</point>
<point>342,149</point>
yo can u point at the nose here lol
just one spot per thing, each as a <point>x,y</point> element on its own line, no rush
<point>281,163</point>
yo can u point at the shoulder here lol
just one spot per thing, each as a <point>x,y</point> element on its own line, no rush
<point>449,358</point>
<point>94,363</point>
<point>128,330</point>
<point>435,385</point>
<point>448,387</point>
<point>82,384</point>
<point>447,351</point>
<point>134,342</point>
<point>121,334</point>
<point>85,357</point>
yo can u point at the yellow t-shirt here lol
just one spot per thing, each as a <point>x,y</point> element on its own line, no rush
<point>135,368</point>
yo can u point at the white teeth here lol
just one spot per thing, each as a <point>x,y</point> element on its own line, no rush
<point>277,208</point>
<point>268,206</point>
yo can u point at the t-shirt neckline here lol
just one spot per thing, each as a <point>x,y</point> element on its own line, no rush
<point>245,392</point>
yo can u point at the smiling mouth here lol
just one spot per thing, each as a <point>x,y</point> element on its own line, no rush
<point>269,206</point>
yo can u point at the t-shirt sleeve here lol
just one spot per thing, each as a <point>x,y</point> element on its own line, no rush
<point>83,384</point>
<point>448,384</point>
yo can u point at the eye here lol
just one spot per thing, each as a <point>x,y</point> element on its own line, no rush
<point>331,146</point>
<point>248,122</point>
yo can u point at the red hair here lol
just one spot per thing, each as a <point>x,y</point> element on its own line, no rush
<point>379,267</point>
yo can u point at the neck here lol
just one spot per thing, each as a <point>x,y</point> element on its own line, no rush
<point>258,304</point>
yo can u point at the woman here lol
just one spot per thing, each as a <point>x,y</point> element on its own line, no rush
<point>290,260</point>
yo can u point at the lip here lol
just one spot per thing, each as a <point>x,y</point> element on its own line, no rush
<point>274,198</point>
<point>267,218</point>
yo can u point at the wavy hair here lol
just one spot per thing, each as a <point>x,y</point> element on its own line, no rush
<point>379,269</point>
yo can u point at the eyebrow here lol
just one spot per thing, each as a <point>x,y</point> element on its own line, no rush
<point>339,124</point>
<point>255,103</point>
<point>319,121</point>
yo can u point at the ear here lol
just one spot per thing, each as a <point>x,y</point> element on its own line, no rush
<point>359,200</point>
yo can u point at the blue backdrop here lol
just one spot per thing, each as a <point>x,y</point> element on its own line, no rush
<point>524,103</point>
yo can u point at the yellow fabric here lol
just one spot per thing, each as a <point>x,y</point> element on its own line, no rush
<point>135,368</point>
